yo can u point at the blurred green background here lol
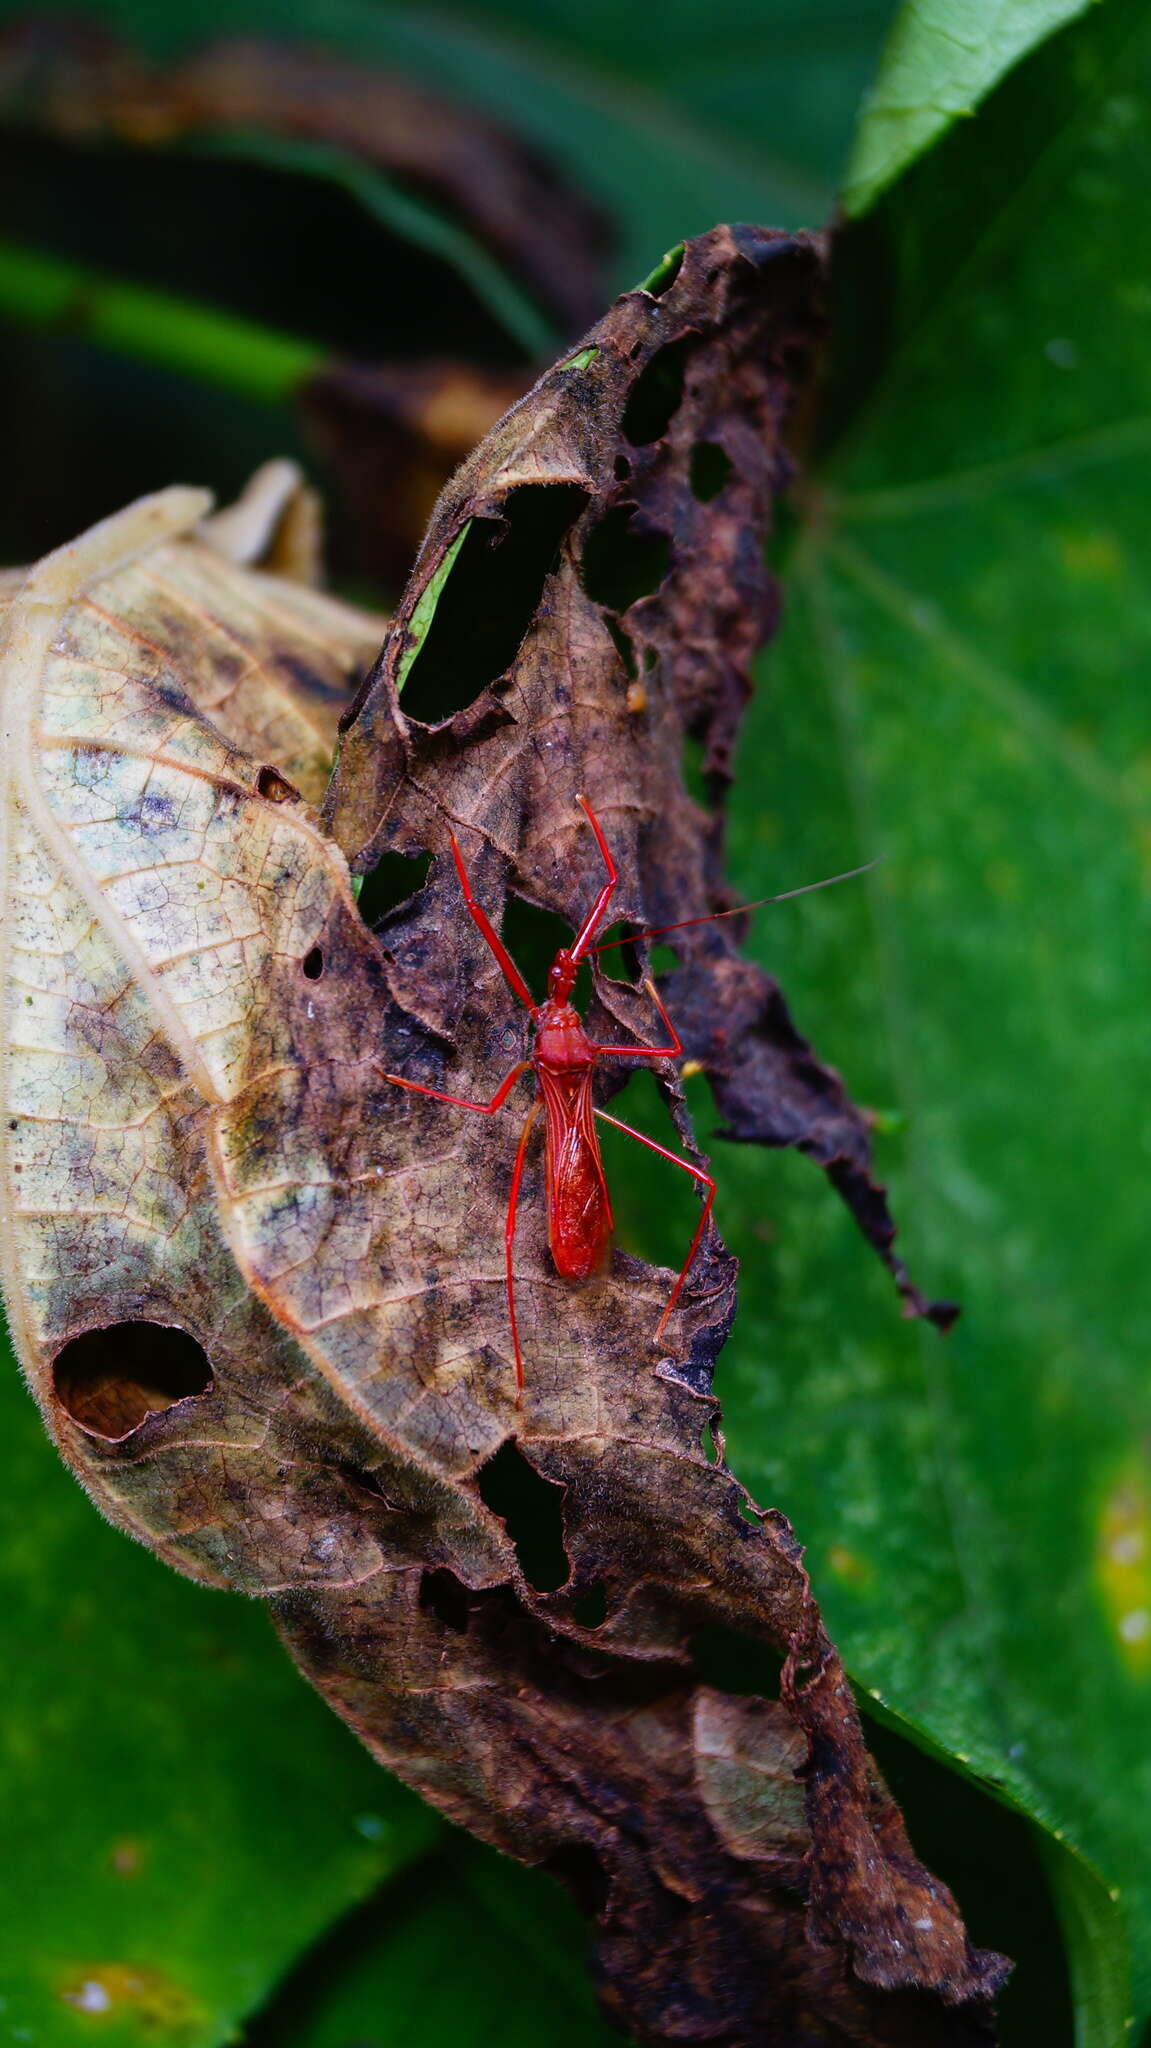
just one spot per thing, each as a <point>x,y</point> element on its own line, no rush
<point>195,1846</point>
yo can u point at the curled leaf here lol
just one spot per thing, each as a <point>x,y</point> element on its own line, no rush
<point>259,1291</point>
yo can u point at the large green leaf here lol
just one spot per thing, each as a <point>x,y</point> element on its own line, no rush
<point>181,1815</point>
<point>942,58</point>
<point>475,1951</point>
<point>961,687</point>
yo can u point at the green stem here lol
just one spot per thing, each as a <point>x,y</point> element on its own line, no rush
<point>157,327</point>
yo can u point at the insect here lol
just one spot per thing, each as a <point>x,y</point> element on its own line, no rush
<point>564,1060</point>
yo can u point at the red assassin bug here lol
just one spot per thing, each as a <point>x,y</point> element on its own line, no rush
<point>564,1060</point>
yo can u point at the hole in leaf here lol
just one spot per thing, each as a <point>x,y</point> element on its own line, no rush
<point>657,394</point>
<point>621,563</point>
<point>665,273</point>
<point>709,1446</point>
<point>276,788</point>
<point>363,1486</point>
<point>711,467</point>
<point>581,1873</point>
<point>443,1595</point>
<point>623,646</point>
<point>313,963</point>
<point>110,1380</point>
<point>530,1508</point>
<point>735,1663</point>
<point>590,1610</point>
<point>622,468</point>
<point>533,937</point>
<point>395,879</point>
<point>695,781</point>
<point>488,600</point>
<point>622,963</point>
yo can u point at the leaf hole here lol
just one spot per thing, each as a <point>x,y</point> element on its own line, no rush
<point>622,468</point>
<point>275,788</point>
<point>590,1610</point>
<point>695,779</point>
<point>489,600</point>
<point>530,1507</point>
<point>665,273</point>
<point>623,646</point>
<point>622,563</point>
<point>445,1596</point>
<point>110,1380</point>
<point>395,879</point>
<point>313,963</point>
<point>657,394</point>
<point>533,937</point>
<point>711,467</point>
<point>582,1875</point>
<point>710,1444</point>
<point>623,962</point>
<point>735,1663</point>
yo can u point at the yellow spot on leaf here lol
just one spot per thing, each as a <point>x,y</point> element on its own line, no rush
<point>127,1857</point>
<point>113,1992</point>
<point>1096,557</point>
<point>1123,1564</point>
<point>847,1566</point>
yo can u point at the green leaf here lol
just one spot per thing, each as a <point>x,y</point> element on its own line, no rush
<point>941,59</point>
<point>181,1815</point>
<point>475,1951</point>
<point>961,687</point>
<point>425,608</point>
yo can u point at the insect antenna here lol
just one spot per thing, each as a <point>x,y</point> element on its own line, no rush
<point>658,931</point>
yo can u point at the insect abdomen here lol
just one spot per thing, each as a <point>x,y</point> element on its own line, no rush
<point>579,1212</point>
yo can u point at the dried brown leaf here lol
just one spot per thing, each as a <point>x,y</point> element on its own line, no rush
<point>259,1291</point>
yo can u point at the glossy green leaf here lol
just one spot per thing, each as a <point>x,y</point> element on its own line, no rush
<point>961,687</point>
<point>180,1815</point>
<point>942,58</point>
<point>475,1950</point>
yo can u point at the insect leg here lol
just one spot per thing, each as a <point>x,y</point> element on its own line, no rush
<point>651,1052</point>
<point>511,972</point>
<point>697,1173</point>
<point>461,1101</point>
<point>509,1244</point>
<point>598,911</point>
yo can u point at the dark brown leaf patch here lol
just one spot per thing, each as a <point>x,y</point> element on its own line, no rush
<point>500,1596</point>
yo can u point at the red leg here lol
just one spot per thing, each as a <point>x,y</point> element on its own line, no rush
<point>697,1173</point>
<point>651,1052</point>
<point>511,972</point>
<point>461,1101</point>
<point>598,911</point>
<point>509,1245</point>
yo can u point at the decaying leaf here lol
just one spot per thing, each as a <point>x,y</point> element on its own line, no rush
<point>79,81</point>
<point>259,1291</point>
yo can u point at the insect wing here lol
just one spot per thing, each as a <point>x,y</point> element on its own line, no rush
<point>579,1211</point>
